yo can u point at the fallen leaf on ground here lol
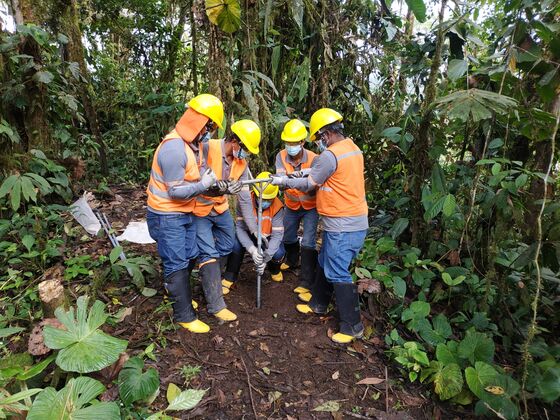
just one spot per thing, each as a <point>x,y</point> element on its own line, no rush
<point>335,375</point>
<point>266,370</point>
<point>221,397</point>
<point>329,406</point>
<point>370,381</point>
<point>217,340</point>
<point>122,314</point>
<point>257,332</point>
<point>273,396</point>
<point>307,383</point>
<point>264,348</point>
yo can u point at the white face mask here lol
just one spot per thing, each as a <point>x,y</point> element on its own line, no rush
<point>293,150</point>
<point>266,204</point>
<point>240,153</point>
<point>321,146</point>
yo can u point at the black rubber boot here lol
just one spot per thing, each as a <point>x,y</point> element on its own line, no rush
<point>211,280</point>
<point>321,293</point>
<point>308,268</point>
<point>292,255</point>
<point>348,303</point>
<point>223,263</point>
<point>274,266</point>
<point>233,266</point>
<point>179,291</point>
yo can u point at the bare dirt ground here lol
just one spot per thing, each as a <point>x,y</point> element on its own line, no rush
<point>272,362</point>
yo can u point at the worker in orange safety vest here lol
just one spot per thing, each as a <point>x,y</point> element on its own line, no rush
<point>214,225</point>
<point>300,206</point>
<point>175,182</point>
<point>338,177</point>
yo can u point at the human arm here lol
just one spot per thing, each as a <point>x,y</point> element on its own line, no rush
<point>172,161</point>
<point>323,167</point>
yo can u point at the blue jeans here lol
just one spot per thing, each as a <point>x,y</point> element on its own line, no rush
<point>292,219</point>
<point>239,249</point>
<point>175,235</point>
<point>215,236</point>
<point>337,252</point>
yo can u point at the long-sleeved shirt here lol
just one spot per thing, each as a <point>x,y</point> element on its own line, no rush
<point>172,161</point>
<point>244,196</point>
<point>323,167</point>
<point>244,234</point>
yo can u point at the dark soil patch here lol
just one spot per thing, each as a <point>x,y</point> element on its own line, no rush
<point>287,358</point>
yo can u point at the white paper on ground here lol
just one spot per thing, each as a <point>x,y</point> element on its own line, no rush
<point>137,232</point>
<point>83,213</point>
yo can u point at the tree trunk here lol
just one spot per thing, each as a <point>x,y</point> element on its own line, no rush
<point>172,47</point>
<point>74,50</point>
<point>194,55</point>
<point>35,128</point>
<point>422,164</point>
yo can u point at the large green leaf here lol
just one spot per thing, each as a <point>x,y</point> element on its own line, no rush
<point>457,68</point>
<point>224,13</point>
<point>448,380</point>
<point>69,403</point>
<point>475,104</point>
<point>83,347</point>
<point>187,399</point>
<point>479,377</point>
<point>135,385</point>
<point>476,347</point>
<point>418,8</point>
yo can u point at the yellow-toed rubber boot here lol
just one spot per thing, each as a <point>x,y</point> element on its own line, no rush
<point>226,286</point>
<point>277,277</point>
<point>304,309</point>
<point>196,326</point>
<point>304,297</point>
<point>194,304</point>
<point>284,266</point>
<point>225,315</point>
<point>342,338</point>
<point>300,289</point>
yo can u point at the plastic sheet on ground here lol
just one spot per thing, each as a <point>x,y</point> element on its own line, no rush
<point>83,213</point>
<point>137,232</point>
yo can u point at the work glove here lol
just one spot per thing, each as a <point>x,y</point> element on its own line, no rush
<point>222,187</point>
<point>296,174</point>
<point>279,180</point>
<point>257,257</point>
<point>208,178</point>
<point>234,187</point>
<point>260,268</point>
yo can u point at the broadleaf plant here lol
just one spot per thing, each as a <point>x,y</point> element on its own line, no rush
<point>82,346</point>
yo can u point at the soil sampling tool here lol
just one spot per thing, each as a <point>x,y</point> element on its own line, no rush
<point>110,234</point>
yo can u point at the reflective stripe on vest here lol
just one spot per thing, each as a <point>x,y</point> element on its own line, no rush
<point>343,193</point>
<point>295,199</point>
<point>212,154</point>
<point>158,197</point>
<point>268,214</point>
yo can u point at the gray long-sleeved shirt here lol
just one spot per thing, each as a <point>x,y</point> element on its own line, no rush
<point>244,197</point>
<point>323,167</point>
<point>172,161</point>
<point>245,235</point>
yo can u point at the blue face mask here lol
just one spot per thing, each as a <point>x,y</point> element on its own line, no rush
<point>266,204</point>
<point>293,150</point>
<point>240,154</point>
<point>321,146</point>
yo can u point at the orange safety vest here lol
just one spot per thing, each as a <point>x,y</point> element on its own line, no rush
<point>214,159</point>
<point>295,199</point>
<point>343,194</point>
<point>158,198</point>
<point>267,214</point>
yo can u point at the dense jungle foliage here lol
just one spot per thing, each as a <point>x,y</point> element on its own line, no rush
<point>456,106</point>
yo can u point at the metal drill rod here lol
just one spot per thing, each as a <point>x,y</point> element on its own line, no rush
<point>261,186</point>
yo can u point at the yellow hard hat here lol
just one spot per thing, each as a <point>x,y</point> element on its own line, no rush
<point>209,106</point>
<point>270,192</point>
<point>294,131</point>
<point>249,133</point>
<point>320,118</point>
